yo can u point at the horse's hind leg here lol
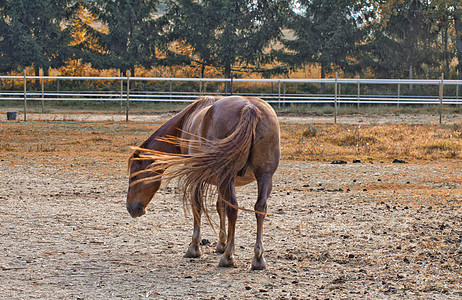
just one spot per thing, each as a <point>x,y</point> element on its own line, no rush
<point>264,183</point>
<point>228,194</point>
<point>194,250</point>
<point>222,234</point>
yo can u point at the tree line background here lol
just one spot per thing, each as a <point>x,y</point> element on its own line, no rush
<point>216,38</point>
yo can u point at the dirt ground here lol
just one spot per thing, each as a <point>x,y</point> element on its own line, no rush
<point>295,118</point>
<point>366,230</point>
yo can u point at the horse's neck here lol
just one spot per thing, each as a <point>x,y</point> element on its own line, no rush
<point>168,129</point>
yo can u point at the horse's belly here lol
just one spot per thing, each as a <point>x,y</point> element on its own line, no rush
<point>246,179</point>
<point>239,180</point>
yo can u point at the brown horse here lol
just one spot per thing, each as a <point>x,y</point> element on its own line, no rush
<point>226,142</point>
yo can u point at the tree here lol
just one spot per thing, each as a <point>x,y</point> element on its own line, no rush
<point>227,34</point>
<point>325,33</point>
<point>458,29</point>
<point>442,16</point>
<point>3,28</point>
<point>448,18</point>
<point>404,41</point>
<point>33,34</point>
<point>131,37</point>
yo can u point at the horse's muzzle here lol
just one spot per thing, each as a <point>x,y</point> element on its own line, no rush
<point>136,209</point>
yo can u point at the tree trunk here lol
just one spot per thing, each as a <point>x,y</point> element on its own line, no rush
<point>202,70</point>
<point>227,75</point>
<point>458,27</point>
<point>410,77</point>
<point>37,81</point>
<point>323,75</point>
<point>124,73</point>
<point>446,51</point>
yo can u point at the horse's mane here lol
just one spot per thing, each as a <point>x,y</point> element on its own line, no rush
<point>170,128</point>
<point>175,123</point>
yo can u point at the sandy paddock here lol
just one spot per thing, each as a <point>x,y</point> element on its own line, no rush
<point>365,230</point>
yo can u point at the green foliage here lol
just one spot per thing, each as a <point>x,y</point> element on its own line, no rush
<point>32,33</point>
<point>326,33</point>
<point>131,37</point>
<point>403,42</point>
<point>225,33</point>
<point>393,39</point>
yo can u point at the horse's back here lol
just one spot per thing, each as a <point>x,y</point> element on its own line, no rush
<point>224,115</point>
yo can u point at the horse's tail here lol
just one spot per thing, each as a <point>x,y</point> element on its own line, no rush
<point>212,161</point>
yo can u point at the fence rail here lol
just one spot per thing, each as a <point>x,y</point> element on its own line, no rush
<point>125,93</point>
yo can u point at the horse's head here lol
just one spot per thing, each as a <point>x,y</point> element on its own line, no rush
<point>142,187</point>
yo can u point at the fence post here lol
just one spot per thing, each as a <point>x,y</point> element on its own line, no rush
<point>284,91</point>
<point>25,97</point>
<point>441,97</point>
<point>43,94</point>
<point>121,93</point>
<point>336,89</point>
<point>279,92</point>
<point>128,96</point>
<point>231,85</point>
<point>359,91</point>
<point>399,92</point>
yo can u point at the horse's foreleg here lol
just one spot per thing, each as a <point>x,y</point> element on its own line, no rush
<point>222,234</point>
<point>264,189</point>
<point>194,251</point>
<point>227,192</point>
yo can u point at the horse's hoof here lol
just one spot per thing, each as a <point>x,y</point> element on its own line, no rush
<point>258,263</point>
<point>193,252</point>
<point>220,248</point>
<point>226,262</point>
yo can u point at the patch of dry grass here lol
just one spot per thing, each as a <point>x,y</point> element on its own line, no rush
<point>371,142</point>
<point>78,143</point>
